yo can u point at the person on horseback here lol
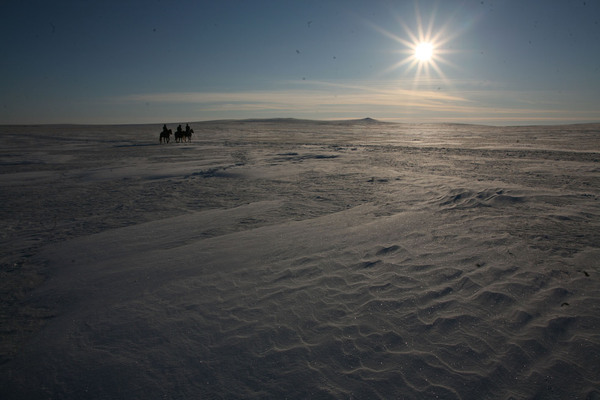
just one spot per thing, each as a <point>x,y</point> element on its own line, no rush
<point>165,135</point>
<point>188,133</point>
<point>179,135</point>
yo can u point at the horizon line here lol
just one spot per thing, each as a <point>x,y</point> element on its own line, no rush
<point>393,121</point>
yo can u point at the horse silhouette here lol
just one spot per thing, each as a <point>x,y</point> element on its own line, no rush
<point>187,135</point>
<point>165,136</point>
<point>179,136</point>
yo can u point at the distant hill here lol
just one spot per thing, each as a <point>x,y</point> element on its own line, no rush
<point>363,121</point>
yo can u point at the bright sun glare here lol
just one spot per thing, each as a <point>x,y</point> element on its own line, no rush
<point>424,51</point>
<point>423,48</point>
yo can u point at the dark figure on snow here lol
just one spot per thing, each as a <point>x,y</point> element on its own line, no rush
<point>165,135</point>
<point>188,133</point>
<point>179,135</point>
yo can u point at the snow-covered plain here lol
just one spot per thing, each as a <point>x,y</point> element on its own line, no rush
<point>298,259</point>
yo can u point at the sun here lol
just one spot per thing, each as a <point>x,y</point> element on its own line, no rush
<point>424,51</point>
<point>423,47</point>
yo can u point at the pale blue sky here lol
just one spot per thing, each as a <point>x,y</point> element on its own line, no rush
<point>496,62</point>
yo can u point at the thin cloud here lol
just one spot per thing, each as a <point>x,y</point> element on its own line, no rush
<point>344,95</point>
<point>468,101</point>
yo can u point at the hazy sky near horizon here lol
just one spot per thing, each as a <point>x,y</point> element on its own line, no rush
<point>496,62</point>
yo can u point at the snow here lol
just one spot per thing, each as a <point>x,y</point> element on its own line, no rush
<point>299,259</point>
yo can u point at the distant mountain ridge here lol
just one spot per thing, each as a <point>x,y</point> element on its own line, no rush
<point>367,120</point>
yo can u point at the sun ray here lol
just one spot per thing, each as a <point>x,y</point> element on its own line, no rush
<point>423,48</point>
